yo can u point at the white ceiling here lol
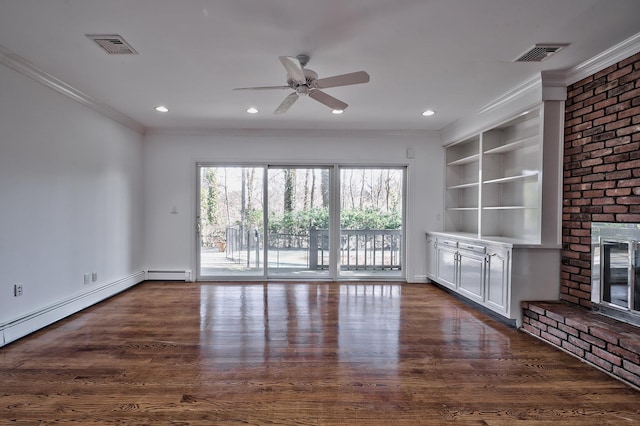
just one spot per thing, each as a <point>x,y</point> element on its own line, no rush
<point>453,56</point>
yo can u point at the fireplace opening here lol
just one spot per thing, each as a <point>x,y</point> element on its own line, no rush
<point>615,270</point>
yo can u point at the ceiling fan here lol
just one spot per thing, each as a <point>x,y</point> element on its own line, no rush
<point>306,82</point>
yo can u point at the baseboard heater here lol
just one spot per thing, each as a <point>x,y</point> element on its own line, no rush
<point>168,275</point>
<point>30,322</point>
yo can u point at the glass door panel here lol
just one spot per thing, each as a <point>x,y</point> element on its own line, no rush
<point>615,273</point>
<point>298,222</point>
<point>230,221</point>
<point>371,222</point>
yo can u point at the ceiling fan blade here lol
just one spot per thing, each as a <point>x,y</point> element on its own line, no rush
<point>262,88</point>
<point>294,69</point>
<point>327,100</point>
<point>286,104</point>
<point>358,77</point>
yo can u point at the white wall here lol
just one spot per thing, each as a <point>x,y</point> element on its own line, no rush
<point>81,193</point>
<point>170,177</point>
<point>70,197</point>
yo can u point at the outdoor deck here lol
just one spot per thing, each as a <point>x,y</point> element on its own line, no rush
<point>293,262</point>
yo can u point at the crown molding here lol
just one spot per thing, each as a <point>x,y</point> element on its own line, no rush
<point>532,83</point>
<point>542,86</point>
<point>614,54</point>
<point>298,133</point>
<point>557,79</point>
<point>26,68</point>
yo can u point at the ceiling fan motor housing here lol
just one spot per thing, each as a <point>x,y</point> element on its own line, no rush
<point>310,83</point>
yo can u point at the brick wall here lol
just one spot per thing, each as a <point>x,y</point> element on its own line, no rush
<point>601,166</point>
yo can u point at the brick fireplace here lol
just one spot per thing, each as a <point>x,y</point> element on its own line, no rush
<point>601,183</point>
<point>601,166</point>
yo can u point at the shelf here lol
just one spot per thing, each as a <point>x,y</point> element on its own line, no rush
<point>463,185</point>
<point>511,178</point>
<point>514,241</point>
<point>512,146</point>
<point>460,209</point>
<point>465,160</point>
<point>508,208</point>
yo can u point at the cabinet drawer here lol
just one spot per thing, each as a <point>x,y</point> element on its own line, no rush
<point>472,248</point>
<point>447,243</point>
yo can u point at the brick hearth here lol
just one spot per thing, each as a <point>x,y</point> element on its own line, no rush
<point>608,344</point>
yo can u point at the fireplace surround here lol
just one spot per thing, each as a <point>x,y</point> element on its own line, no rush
<point>615,270</point>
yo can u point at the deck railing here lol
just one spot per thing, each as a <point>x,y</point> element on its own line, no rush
<point>360,249</point>
<point>243,245</point>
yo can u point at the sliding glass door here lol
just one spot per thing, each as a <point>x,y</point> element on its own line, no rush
<point>298,222</point>
<point>371,222</point>
<point>230,222</point>
<point>323,222</point>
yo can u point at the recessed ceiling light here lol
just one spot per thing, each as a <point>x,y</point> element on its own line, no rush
<point>337,111</point>
<point>428,113</point>
<point>253,110</point>
<point>162,108</point>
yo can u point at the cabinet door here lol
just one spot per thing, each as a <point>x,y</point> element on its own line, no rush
<point>446,268</point>
<point>497,279</point>
<point>470,281</point>
<point>431,257</point>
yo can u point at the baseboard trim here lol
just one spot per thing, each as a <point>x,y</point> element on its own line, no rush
<point>27,324</point>
<point>478,307</point>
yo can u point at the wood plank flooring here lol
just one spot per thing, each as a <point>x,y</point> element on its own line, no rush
<point>298,353</point>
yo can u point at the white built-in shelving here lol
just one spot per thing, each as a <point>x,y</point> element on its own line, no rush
<point>494,182</point>
<point>503,184</point>
<point>462,185</point>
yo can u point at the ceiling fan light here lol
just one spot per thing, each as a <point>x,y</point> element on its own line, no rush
<point>253,110</point>
<point>337,111</point>
<point>428,113</point>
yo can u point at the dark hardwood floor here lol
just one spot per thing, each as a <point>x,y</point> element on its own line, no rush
<point>298,353</point>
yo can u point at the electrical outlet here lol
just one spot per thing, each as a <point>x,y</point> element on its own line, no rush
<point>94,277</point>
<point>87,278</point>
<point>17,290</point>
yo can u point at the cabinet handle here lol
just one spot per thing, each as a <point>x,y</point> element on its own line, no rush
<point>497,255</point>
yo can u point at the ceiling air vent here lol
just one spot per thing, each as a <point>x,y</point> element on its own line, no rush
<point>540,52</point>
<point>113,44</point>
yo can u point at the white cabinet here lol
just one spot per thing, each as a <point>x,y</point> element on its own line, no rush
<point>462,265</point>
<point>471,271</point>
<point>447,263</point>
<point>498,276</point>
<point>431,257</point>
